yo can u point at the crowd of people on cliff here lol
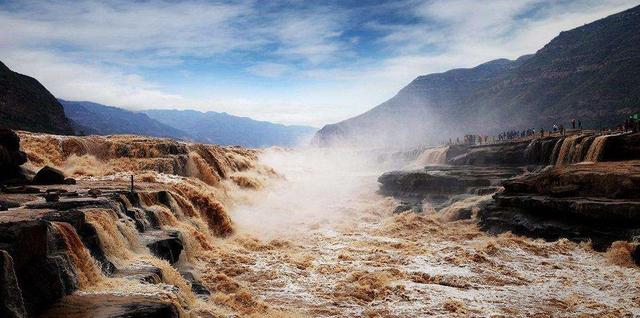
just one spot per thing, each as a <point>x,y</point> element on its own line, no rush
<point>631,124</point>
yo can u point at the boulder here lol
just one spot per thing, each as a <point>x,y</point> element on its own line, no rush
<point>166,245</point>
<point>11,157</point>
<point>52,197</point>
<point>196,286</point>
<point>94,193</point>
<point>9,139</point>
<point>49,175</point>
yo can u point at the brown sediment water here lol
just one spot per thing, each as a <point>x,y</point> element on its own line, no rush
<point>593,155</point>
<point>566,149</point>
<point>432,156</point>
<point>87,270</point>
<point>315,240</point>
<point>351,256</point>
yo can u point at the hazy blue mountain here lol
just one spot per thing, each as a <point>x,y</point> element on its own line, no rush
<point>225,129</point>
<point>591,73</point>
<point>27,105</point>
<point>108,120</point>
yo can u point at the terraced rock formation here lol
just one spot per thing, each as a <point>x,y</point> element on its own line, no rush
<point>107,245</point>
<point>582,187</point>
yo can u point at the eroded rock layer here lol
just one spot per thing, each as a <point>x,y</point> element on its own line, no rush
<point>584,187</point>
<point>119,240</point>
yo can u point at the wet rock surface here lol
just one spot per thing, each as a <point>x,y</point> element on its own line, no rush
<point>67,245</point>
<point>166,245</point>
<point>549,150</point>
<point>443,185</point>
<point>140,272</point>
<point>43,270</point>
<point>110,306</point>
<point>11,305</point>
<point>196,285</point>
<point>598,202</point>
<point>571,197</point>
<point>32,247</point>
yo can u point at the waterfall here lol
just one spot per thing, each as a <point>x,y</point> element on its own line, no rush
<point>556,150</point>
<point>432,156</point>
<point>532,151</point>
<point>567,150</point>
<point>87,270</point>
<point>595,151</point>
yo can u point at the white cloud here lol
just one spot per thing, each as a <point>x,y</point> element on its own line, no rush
<point>71,80</point>
<point>270,69</point>
<point>100,51</point>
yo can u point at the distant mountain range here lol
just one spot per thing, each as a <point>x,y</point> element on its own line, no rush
<point>591,73</point>
<point>225,129</point>
<point>209,127</point>
<point>26,104</point>
<point>108,120</point>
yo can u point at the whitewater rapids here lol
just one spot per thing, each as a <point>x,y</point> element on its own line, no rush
<point>319,241</point>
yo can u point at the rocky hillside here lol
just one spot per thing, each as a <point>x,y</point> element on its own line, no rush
<point>589,73</point>
<point>225,129</point>
<point>108,120</point>
<point>26,104</point>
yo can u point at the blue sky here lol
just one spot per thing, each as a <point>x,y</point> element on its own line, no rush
<point>292,62</point>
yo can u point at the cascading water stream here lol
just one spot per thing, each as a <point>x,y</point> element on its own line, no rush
<point>595,151</point>
<point>430,157</point>
<point>87,270</point>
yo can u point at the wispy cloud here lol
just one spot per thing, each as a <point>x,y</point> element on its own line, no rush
<point>308,63</point>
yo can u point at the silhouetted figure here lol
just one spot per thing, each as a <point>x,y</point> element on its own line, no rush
<point>579,125</point>
<point>573,123</point>
<point>541,132</point>
<point>561,129</point>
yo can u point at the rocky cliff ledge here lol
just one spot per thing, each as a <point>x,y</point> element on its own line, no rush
<point>582,187</point>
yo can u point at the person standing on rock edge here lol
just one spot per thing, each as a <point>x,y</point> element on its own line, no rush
<point>573,124</point>
<point>541,132</point>
<point>579,125</point>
